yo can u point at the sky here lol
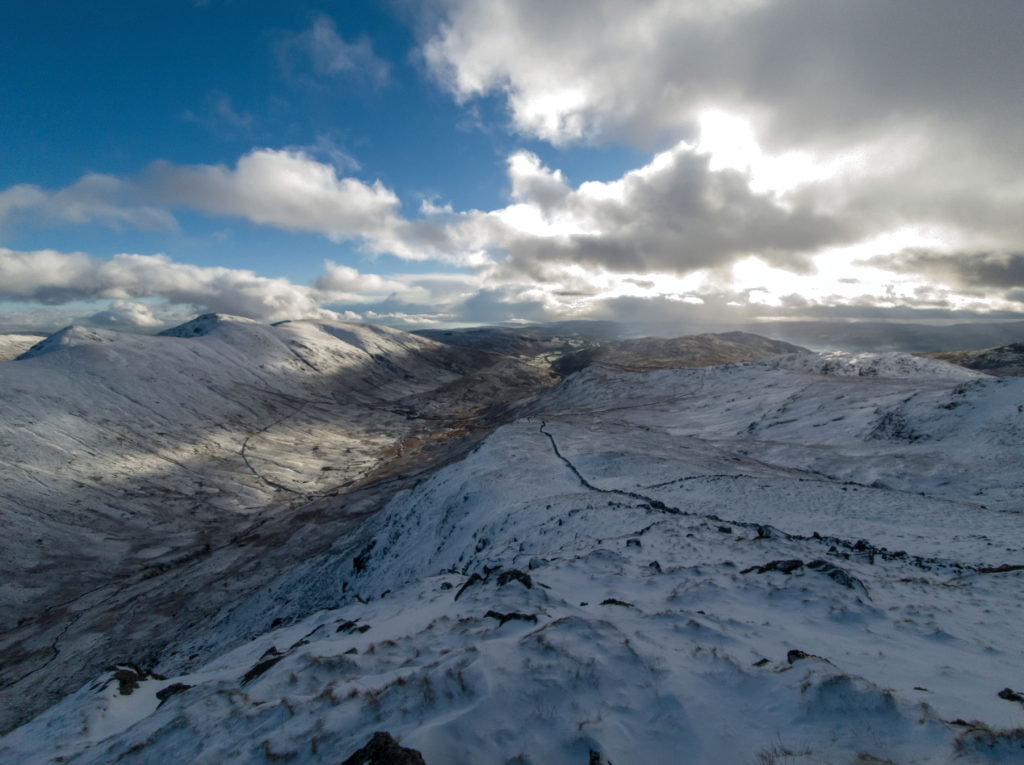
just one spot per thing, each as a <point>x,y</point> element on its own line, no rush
<point>461,162</point>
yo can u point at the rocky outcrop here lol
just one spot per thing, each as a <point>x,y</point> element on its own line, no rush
<point>382,749</point>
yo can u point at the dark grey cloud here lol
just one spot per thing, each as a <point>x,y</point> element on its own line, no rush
<point>676,215</point>
<point>986,270</point>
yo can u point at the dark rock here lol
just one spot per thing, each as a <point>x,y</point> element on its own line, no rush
<point>384,750</point>
<point>502,618</point>
<point>359,562</point>
<point>362,628</point>
<point>171,690</point>
<point>785,566</point>
<point>795,655</point>
<point>127,681</point>
<point>760,663</point>
<point>129,676</point>
<point>1010,695</point>
<point>614,602</point>
<point>725,529</point>
<point>347,627</point>
<point>633,543</point>
<point>350,651</point>
<point>259,669</point>
<point>515,574</point>
<point>276,623</point>
<point>446,585</point>
<point>1000,569</point>
<point>471,581</point>
<point>837,574</point>
<point>770,532</point>
<point>655,565</point>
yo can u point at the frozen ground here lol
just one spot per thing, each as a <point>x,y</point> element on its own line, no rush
<point>814,559</point>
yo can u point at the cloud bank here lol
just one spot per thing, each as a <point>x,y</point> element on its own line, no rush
<point>55,279</point>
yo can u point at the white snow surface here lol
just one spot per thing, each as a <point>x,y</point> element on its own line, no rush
<point>892,496</point>
<point>847,364</point>
<point>12,346</point>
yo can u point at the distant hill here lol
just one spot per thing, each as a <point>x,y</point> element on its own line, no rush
<point>856,336</point>
<point>502,340</point>
<point>1004,361</point>
<point>12,346</point>
<point>546,341</point>
<point>649,353</point>
<point>880,337</point>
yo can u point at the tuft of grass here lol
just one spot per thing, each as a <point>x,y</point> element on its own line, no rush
<point>779,754</point>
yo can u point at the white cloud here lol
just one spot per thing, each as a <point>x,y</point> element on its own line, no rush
<point>121,314</point>
<point>343,280</point>
<point>94,197</point>
<point>282,188</point>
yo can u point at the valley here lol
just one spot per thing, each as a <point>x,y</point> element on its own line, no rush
<point>151,481</point>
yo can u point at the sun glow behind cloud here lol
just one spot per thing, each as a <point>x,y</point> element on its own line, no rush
<point>844,276</point>
<point>731,143</point>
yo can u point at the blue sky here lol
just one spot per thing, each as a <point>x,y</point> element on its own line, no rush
<point>577,161</point>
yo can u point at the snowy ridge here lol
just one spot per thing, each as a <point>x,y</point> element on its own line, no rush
<point>891,365</point>
<point>632,569</point>
<point>69,337</point>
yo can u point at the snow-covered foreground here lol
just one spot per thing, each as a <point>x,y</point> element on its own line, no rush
<point>718,565</point>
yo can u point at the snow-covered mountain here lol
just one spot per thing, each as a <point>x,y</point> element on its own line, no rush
<point>128,460</point>
<point>807,559</point>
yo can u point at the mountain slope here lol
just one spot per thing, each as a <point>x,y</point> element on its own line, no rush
<point>1006,360</point>
<point>127,460</point>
